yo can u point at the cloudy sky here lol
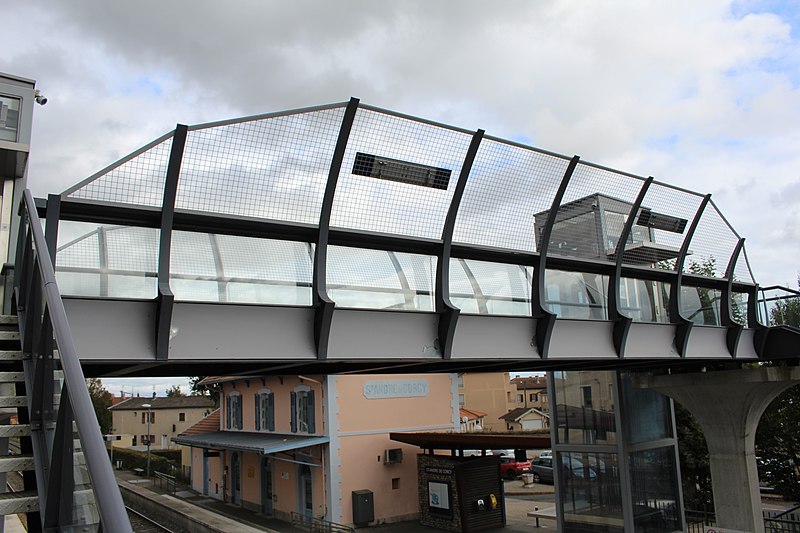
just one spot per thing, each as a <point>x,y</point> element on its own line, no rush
<point>704,95</point>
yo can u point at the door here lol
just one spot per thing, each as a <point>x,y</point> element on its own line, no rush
<point>266,486</point>
<point>306,494</point>
<point>206,473</point>
<point>236,479</point>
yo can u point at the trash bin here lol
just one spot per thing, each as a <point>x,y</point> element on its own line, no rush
<point>527,479</point>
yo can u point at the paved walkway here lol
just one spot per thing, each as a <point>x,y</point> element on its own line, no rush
<point>519,500</point>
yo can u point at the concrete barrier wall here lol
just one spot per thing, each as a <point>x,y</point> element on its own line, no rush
<point>174,512</point>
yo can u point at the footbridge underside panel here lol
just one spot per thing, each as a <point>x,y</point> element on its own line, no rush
<point>118,336</point>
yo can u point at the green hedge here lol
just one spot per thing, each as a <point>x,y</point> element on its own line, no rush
<point>170,455</point>
<point>134,459</point>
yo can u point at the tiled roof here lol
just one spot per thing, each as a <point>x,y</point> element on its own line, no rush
<point>262,443</point>
<point>515,414</point>
<point>470,414</point>
<point>530,383</point>
<point>181,402</point>
<point>209,424</point>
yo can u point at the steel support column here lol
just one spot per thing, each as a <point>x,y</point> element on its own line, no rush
<point>165,299</point>
<point>683,326</point>
<point>448,313</point>
<point>622,323</point>
<point>545,320</point>
<point>323,305</point>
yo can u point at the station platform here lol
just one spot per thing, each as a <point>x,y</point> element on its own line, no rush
<point>228,517</point>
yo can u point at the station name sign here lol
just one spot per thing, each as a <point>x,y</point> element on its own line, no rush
<point>398,388</point>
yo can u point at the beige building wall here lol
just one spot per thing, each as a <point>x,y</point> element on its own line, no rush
<point>490,392</point>
<point>282,388</point>
<point>368,408</point>
<point>129,424</point>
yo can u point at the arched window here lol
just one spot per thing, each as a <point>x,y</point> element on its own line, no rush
<point>233,410</point>
<point>265,410</point>
<point>303,410</point>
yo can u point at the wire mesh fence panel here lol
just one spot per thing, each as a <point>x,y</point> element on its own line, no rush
<point>661,226</point>
<point>712,245</point>
<point>742,271</point>
<point>271,168</point>
<point>508,185</point>
<point>398,175</point>
<point>592,214</point>
<point>136,181</point>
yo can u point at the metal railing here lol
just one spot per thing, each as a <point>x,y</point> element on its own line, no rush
<point>318,525</point>
<point>47,342</point>
<point>774,522</point>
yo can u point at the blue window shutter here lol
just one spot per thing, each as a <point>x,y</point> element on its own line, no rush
<point>271,411</point>
<point>258,411</point>
<point>228,412</point>
<point>239,412</point>
<point>294,412</point>
<point>311,417</point>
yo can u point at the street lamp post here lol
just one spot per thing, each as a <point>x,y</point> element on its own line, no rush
<point>148,438</point>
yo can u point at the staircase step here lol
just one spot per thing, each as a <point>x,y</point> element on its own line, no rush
<point>15,430</point>
<point>8,320</point>
<point>12,401</point>
<point>18,502</point>
<point>12,377</point>
<point>16,463</point>
<point>10,355</point>
<point>9,335</point>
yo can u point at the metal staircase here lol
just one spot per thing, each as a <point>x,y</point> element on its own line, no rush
<point>48,430</point>
<point>20,496</point>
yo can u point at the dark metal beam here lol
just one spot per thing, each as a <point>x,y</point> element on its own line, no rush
<point>545,320</point>
<point>210,223</point>
<point>51,229</point>
<point>165,298</point>
<point>61,482</point>
<point>622,322</point>
<point>448,313</point>
<point>734,328</point>
<point>683,326</point>
<point>324,306</point>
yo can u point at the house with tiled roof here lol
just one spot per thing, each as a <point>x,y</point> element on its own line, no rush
<point>471,420</point>
<point>526,419</point>
<point>284,444</point>
<point>139,420</point>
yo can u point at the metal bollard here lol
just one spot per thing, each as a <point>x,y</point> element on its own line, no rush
<point>536,524</point>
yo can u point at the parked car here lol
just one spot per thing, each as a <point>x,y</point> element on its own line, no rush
<point>542,469</point>
<point>510,468</point>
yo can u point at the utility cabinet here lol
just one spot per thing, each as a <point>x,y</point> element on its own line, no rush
<point>363,507</point>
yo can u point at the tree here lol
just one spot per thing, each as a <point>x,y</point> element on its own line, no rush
<point>175,392</point>
<point>202,389</point>
<point>695,466</point>
<point>777,439</point>
<point>101,401</point>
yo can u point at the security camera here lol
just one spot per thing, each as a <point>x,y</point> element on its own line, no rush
<point>40,99</point>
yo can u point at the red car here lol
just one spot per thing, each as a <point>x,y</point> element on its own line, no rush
<point>510,468</point>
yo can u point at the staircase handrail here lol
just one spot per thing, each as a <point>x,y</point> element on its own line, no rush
<point>107,495</point>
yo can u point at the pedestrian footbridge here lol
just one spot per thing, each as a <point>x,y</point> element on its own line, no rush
<point>347,237</point>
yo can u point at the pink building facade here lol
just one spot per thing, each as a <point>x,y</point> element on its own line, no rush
<point>304,444</point>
